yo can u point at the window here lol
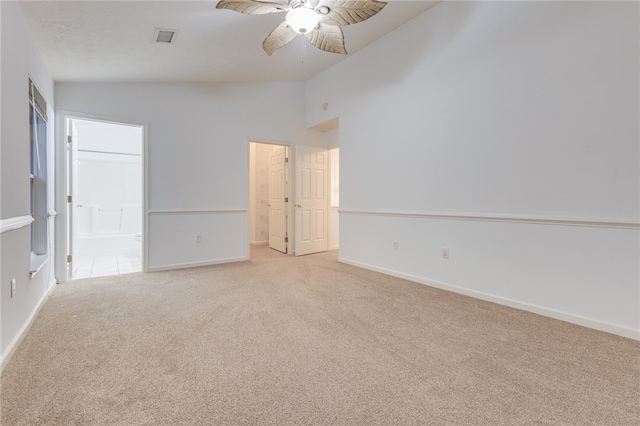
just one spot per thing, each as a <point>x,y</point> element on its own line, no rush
<point>38,136</point>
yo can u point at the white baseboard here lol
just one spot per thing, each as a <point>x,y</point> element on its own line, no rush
<point>196,264</point>
<point>8,353</point>
<point>258,243</point>
<point>540,310</point>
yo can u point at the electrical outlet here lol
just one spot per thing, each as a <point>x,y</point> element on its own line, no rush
<point>395,244</point>
<point>13,287</point>
<point>445,252</point>
<point>198,238</point>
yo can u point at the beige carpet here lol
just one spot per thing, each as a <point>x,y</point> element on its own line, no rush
<point>283,341</point>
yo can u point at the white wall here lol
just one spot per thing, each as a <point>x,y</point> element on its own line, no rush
<point>109,180</point>
<point>331,138</point>
<point>108,137</point>
<point>507,132</point>
<point>198,156</point>
<point>20,59</point>
<point>109,193</point>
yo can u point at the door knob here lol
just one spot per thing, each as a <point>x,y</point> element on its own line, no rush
<point>298,205</point>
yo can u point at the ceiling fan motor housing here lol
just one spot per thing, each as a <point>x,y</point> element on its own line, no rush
<point>301,18</point>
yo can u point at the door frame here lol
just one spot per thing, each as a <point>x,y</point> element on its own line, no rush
<point>290,192</point>
<point>289,207</point>
<point>62,165</point>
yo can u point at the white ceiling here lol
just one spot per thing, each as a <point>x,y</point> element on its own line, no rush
<point>112,41</point>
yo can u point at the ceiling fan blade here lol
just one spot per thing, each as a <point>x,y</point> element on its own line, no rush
<point>252,7</point>
<point>279,37</point>
<point>328,38</point>
<point>346,12</point>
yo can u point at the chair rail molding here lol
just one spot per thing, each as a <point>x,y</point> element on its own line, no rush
<point>623,223</point>
<point>14,223</point>
<point>191,211</point>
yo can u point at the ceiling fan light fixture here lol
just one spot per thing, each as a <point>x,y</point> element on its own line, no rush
<point>320,21</point>
<point>302,19</point>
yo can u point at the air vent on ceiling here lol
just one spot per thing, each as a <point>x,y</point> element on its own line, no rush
<point>164,36</point>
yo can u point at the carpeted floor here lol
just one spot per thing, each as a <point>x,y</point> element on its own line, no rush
<point>307,341</point>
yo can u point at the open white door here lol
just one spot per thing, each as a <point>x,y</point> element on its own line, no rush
<point>311,168</point>
<point>277,206</point>
<point>72,185</point>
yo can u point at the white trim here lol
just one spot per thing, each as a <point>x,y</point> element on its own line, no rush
<point>11,348</point>
<point>196,264</point>
<point>195,211</point>
<point>258,243</point>
<point>37,263</point>
<point>540,310</point>
<point>145,197</point>
<point>14,223</point>
<point>60,193</point>
<point>496,217</point>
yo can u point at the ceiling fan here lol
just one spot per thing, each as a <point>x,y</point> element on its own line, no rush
<point>318,20</point>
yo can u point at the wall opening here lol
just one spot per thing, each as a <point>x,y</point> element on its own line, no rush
<point>106,204</point>
<point>269,196</point>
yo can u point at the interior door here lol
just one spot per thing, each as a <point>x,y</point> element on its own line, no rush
<point>311,174</point>
<point>277,206</point>
<point>72,184</point>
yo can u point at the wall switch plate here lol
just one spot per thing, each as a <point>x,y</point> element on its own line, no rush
<point>445,252</point>
<point>198,238</point>
<point>395,244</point>
<point>13,287</point>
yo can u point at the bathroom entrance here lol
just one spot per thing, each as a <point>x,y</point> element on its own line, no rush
<point>105,180</point>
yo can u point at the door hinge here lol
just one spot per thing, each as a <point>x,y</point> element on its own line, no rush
<point>286,239</point>
<point>69,139</point>
<point>69,259</point>
<point>286,159</point>
<point>69,199</point>
<point>286,199</point>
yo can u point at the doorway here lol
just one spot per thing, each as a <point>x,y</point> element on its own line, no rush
<point>293,205</point>
<point>105,203</point>
<point>269,196</point>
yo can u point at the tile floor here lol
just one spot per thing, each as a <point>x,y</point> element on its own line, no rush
<point>88,266</point>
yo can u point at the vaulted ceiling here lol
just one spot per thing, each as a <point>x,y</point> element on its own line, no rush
<point>113,41</point>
